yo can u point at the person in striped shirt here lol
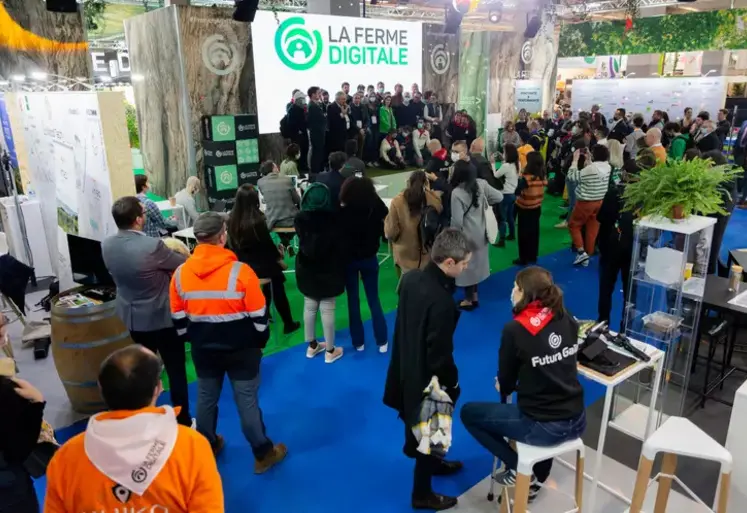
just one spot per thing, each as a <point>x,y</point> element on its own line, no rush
<point>593,181</point>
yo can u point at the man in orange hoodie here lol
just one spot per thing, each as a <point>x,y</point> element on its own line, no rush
<point>135,457</point>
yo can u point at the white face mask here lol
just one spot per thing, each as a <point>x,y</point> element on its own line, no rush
<point>405,134</point>
<point>575,130</point>
<point>454,156</point>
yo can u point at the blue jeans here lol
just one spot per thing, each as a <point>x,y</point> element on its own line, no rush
<point>489,423</point>
<point>571,195</point>
<point>245,394</point>
<point>507,215</point>
<point>368,270</point>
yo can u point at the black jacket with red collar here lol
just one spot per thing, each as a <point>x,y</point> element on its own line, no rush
<point>538,360</point>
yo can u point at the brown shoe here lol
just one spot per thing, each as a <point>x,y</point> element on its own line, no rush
<point>275,456</point>
<point>217,445</point>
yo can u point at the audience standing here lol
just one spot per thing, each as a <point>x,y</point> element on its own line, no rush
<point>141,267</point>
<point>593,181</point>
<point>530,192</point>
<point>249,237</point>
<point>320,267</point>
<point>298,129</point>
<point>509,174</point>
<point>402,224</point>
<point>228,330</point>
<point>422,357</point>
<point>470,197</point>
<point>362,216</point>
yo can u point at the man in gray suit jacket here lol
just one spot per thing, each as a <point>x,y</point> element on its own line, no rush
<point>142,267</point>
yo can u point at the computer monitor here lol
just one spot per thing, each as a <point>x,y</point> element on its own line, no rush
<point>87,262</point>
<point>219,206</point>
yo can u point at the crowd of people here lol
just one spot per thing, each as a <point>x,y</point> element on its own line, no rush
<point>391,130</point>
<point>218,298</point>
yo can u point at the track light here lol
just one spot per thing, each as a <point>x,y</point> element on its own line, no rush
<point>495,16</point>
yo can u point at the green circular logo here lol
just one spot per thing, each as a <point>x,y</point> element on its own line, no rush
<point>297,47</point>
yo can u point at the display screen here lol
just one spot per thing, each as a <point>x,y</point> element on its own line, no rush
<point>299,51</point>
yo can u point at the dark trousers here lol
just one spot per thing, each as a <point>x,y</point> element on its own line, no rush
<point>368,270</point>
<point>491,423</point>
<point>317,156</point>
<point>529,223</point>
<point>470,292</point>
<point>507,218</point>
<point>17,494</point>
<point>170,346</point>
<point>275,290</point>
<point>718,237</point>
<point>612,263</point>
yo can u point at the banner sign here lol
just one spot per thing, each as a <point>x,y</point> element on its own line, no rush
<point>440,63</point>
<point>111,63</point>
<point>297,51</point>
<point>230,154</point>
<point>528,96</point>
<point>7,140</point>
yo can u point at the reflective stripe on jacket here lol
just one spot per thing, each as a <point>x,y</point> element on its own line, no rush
<point>219,301</point>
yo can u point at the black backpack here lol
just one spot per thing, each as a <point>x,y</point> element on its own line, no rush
<point>430,227</point>
<point>284,128</point>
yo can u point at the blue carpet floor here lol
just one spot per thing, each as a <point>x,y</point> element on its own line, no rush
<point>344,445</point>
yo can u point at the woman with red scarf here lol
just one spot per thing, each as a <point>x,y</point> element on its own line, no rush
<point>538,350</point>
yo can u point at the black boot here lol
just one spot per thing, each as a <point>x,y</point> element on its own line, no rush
<point>434,502</point>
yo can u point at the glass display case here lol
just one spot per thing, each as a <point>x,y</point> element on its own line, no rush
<point>668,271</point>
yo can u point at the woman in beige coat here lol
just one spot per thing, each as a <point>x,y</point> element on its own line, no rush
<point>402,224</point>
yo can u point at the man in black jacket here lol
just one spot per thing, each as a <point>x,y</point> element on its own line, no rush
<point>423,348</point>
<point>359,122</point>
<point>338,119</point>
<point>317,125</point>
<point>708,139</point>
<point>298,130</point>
<point>620,128</point>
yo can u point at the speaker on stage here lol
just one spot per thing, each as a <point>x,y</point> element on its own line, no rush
<point>66,6</point>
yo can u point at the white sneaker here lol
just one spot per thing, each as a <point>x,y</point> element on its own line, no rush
<point>562,224</point>
<point>194,423</point>
<point>333,356</point>
<point>383,349</point>
<point>581,257</point>
<point>360,348</point>
<point>585,263</point>
<point>311,353</point>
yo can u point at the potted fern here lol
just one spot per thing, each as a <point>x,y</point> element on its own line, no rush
<point>679,188</point>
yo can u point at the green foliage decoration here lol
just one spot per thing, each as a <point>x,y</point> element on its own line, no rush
<point>696,185</point>
<point>711,30</point>
<point>93,14</point>
<point>132,129</point>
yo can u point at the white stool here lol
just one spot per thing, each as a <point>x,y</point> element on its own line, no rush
<point>529,455</point>
<point>679,436</point>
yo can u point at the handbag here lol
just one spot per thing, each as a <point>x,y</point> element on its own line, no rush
<point>491,224</point>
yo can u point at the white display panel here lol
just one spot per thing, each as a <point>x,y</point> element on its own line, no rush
<point>305,50</point>
<point>645,95</point>
<point>67,166</point>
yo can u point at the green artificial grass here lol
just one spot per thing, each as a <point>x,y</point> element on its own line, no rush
<point>551,240</point>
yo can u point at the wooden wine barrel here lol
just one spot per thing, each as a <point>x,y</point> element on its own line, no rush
<point>82,338</point>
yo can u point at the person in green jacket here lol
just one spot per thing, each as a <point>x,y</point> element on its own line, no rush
<point>679,143</point>
<point>386,118</point>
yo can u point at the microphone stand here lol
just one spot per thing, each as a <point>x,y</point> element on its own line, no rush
<point>10,182</point>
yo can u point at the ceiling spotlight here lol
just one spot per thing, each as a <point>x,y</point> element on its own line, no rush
<point>18,78</point>
<point>494,16</point>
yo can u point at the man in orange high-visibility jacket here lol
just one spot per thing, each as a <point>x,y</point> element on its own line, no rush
<point>218,301</point>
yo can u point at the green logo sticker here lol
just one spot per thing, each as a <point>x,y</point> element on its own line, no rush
<point>226,178</point>
<point>224,128</point>
<point>297,47</point>
<point>247,151</point>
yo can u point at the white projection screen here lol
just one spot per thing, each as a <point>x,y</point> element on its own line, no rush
<point>298,51</point>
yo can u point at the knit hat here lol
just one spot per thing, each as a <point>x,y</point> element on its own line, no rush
<point>208,225</point>
<point>316,198</point>
<point>299,96</point>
